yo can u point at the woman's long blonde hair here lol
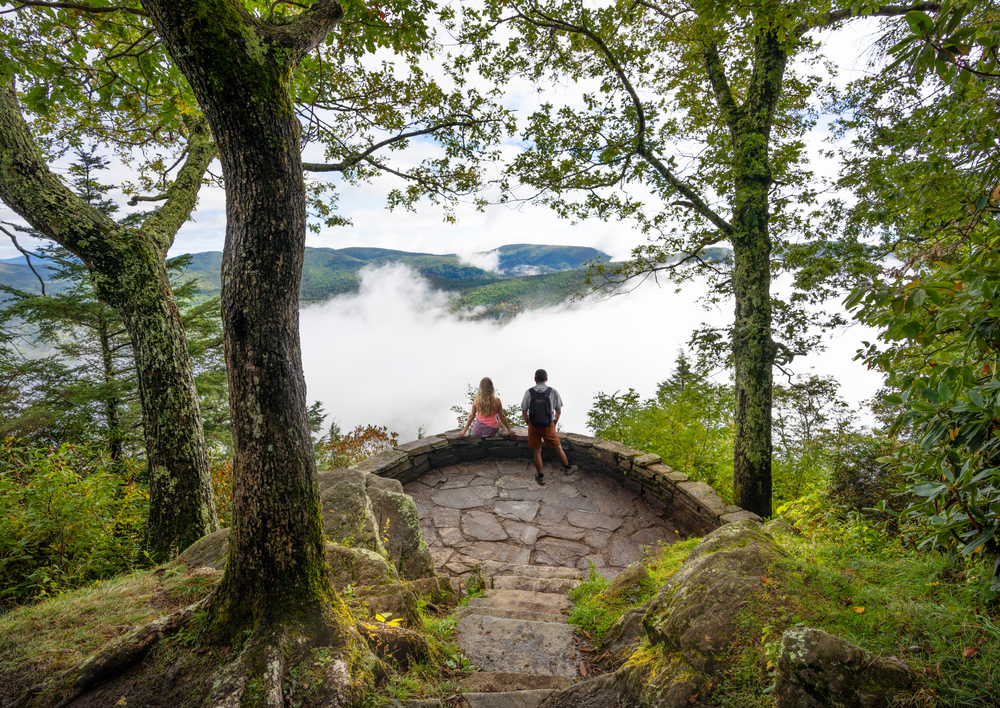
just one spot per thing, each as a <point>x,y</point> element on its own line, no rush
<point>486,402</point>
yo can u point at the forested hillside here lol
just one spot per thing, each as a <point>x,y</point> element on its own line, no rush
<point>528,276</point>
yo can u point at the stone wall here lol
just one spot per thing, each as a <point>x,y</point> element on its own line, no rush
<point>693,505</point>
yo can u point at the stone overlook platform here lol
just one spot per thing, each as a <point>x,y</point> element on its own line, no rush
<point>478,501</point>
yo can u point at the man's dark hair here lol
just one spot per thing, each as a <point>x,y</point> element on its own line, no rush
<point>540,375</point>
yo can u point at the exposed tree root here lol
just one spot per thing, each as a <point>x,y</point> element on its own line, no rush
<point>336,662</point>
<point>114,659</point>
<point>339,675</point>
<point>402,646</point>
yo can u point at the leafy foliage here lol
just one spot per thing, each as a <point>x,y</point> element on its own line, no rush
<point>689,423</point>
<point>342,451</point>
<point>68,515</point>
<point>937,311</point>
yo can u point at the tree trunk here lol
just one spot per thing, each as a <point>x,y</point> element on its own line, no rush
<point>240,70</point>
<point>128,272</point>
<point>753,348</point>
<point>134,280</point>
<point>111,413</point>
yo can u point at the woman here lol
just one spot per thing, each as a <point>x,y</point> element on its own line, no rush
<point>488,413</point>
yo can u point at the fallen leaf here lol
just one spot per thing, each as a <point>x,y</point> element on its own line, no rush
<point>583,669</point>
<point>969,652</point>
<point>586,649</point>
<point>602,657</point>
<point>859,610</point>
<point>586,633</point>
<point>121,701</point>
<point>765,579</point>
<point>693,698</point>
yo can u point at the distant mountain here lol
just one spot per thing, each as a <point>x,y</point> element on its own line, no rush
<point>333,271</point>
<point>526,276</point>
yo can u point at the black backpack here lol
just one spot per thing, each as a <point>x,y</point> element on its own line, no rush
<point>540,408</point>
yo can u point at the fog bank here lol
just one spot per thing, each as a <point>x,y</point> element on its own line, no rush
<point>393,355</point>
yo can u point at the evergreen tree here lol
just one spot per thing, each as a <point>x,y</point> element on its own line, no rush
<point>91,385</point>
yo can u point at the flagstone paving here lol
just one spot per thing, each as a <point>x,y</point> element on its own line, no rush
<point>495,511</point>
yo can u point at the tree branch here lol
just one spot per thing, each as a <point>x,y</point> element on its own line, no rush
<point>136,198</point>
<point>42,199</point>
<point>641,149</point>
<point>182,195</point>
<point>308,29</point>
<point>354,159</point>
<point>835,16</point>
<point>720,85</point>
<point>27,257</point>
<point>79,7</point>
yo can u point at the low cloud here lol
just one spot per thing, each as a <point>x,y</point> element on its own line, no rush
<point>394,355</point>
<point>485,260</point>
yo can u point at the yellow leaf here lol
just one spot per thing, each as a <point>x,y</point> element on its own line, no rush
<point>859,610</point>
<point>121,701</point>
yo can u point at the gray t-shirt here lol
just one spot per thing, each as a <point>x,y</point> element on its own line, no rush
<point>554,398</point>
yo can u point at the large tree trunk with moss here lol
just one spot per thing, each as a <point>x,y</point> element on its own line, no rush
<point>275,585</point>
<point>753,347</point>
<point>128,272</point>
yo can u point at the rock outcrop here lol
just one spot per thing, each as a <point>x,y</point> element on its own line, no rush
<point>820,670</point>
<point>692,624</point>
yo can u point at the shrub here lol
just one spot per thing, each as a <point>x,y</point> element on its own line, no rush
<point>68,516</point>
<point>858,480</point>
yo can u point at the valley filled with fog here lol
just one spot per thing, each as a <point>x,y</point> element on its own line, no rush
<point>393,354</point>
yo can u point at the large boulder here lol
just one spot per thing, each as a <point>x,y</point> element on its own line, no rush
<point>625,633</point>
<point>209,551</point>
<point>399,527</point>
<point>358,566</point>
<point>820,670</point>
<point>348,515</point>
<point>695,611</point>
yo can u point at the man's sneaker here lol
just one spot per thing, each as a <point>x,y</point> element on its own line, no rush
<point>540,478</point>
<point>570,469</point>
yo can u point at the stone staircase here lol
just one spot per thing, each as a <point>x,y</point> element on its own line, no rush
<point>518,636</point>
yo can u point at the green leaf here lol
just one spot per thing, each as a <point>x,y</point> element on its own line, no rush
<point>920,22</point>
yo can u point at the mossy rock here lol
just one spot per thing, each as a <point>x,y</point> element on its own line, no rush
<point>358,566</point>
<point>437,590</point>
<point>633,575</point>
<point>392,600</point>
<point>210,551</point>
<point>399,527</point>
<point>820,670</point>
<point>348,516</point>
<point>695,611</point>
<point>625,633</point>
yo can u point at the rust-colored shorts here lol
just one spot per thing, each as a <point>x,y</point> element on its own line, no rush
<point>537,435</point>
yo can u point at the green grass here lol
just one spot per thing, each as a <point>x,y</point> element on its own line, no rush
<point>849,579</point>
<point>65,628</point>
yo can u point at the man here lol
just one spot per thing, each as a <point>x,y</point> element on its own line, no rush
<point>541,407</point>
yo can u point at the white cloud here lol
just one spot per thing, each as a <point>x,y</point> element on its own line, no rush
<point>484,260</point>
<point>393,355</point>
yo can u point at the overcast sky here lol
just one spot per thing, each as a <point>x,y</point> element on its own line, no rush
<point>392,355</point>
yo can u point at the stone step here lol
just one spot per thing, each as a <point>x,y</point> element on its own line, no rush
<point>524,582</point>
<point>558,600</point>
<point>497,644</point>
<point>502,681</point>
<point>511,699</point>
<point>501,604</point>
<point>509,614</point>
<point>491,569</point>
